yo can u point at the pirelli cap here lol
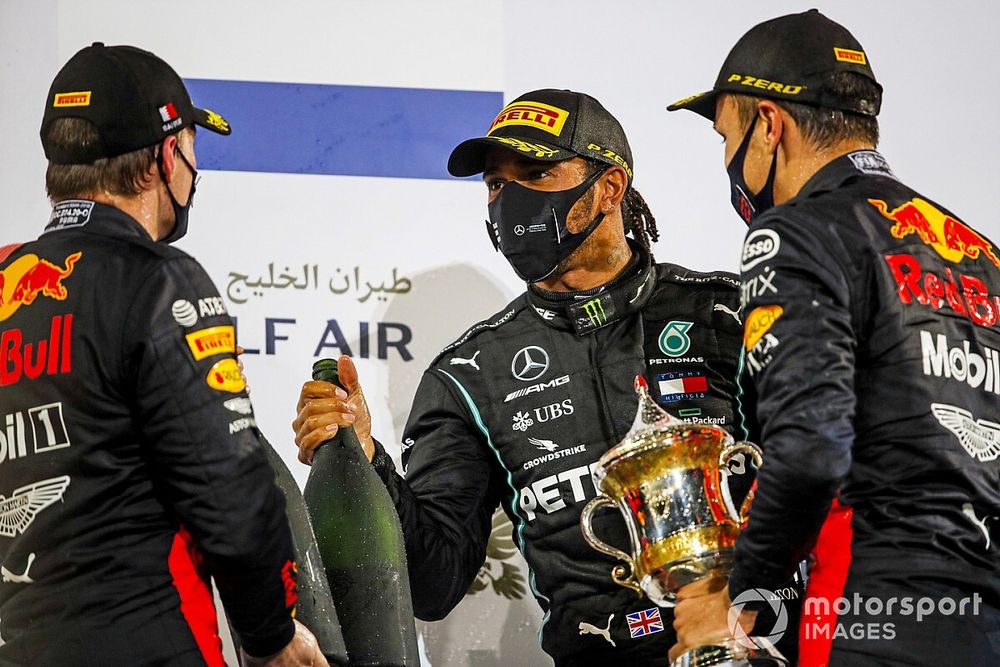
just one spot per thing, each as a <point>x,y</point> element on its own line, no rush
<point>548,125</point>
<point>131,96</point>
<point>791,58</point>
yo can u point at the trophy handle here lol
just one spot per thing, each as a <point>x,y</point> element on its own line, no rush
<point>620,575</point>
<point>757,457</point>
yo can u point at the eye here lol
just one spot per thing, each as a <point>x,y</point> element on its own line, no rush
<point>535,175</point>
<point>494,184</point>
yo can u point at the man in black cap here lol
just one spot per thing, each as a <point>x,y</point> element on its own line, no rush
<point>518,409</point>
<point>873,338</point>
<point>131,466</point>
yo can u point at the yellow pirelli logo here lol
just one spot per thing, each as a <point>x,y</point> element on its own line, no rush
<point>533,114</point>
<point>77,99</point>
<point>212,341</point>
<point>849,56</point>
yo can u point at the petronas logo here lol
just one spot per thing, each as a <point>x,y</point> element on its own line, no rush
<point>595,311</point>
<point>674,340</point>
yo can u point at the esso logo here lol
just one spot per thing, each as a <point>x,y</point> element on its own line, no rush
<point>760,246</point>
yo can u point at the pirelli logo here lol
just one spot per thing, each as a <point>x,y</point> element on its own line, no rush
<point>212,341</point>
<point>849,56</point>
<point>78,99</point>
<point>532,114</point>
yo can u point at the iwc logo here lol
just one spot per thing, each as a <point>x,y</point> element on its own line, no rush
<point>674,340</point>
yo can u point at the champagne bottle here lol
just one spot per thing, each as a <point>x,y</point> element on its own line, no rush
<point>315,608</point>
<point>361,542</point>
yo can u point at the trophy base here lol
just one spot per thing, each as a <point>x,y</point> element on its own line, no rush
<point>661,585</point>
<point>730,653</point>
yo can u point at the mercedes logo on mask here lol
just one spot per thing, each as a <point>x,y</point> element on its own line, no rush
<point>530,363</point>
<point>519,230</point>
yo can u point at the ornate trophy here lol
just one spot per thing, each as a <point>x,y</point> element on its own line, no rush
<point>666,478</point>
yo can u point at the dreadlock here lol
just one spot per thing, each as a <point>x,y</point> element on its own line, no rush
<point>637,219</point>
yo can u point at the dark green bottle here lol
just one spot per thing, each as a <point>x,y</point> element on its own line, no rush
<point>315,608</point>
<point>361,542</point>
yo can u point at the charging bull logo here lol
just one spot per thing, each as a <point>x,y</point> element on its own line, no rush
<point>27,277</point>
<point>951,239</point>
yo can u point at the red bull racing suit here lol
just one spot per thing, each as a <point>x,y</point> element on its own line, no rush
<point>518,410</point>
<point>873,339</point>
<point>130,467</point>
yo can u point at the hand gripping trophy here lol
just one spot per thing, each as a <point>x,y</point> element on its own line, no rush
<point>666,478</point>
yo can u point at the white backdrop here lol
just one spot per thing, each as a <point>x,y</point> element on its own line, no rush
<point>427,234</point>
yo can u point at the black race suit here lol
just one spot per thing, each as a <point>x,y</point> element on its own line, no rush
<point>130,468</point>
<point>519,409</point>
<point>873,334</point>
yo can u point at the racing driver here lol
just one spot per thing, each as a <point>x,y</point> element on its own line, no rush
<point>519,407</point>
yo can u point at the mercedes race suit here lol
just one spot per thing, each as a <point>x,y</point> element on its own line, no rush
<point>519,409</point>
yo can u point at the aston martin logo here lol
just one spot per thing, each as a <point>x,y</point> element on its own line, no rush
<point>980,438</point>
<point>18,511</point>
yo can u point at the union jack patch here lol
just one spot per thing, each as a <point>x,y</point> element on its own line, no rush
<point>643,623</point>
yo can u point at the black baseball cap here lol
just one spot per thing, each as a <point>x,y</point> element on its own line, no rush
<point>548,125</point>
<point>131,96</point>
<point>791,58</point>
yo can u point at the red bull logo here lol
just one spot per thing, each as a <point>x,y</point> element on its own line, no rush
<point>32,359</point>
<point>950,238</point>
<point>27,277</point>
<point>968,296</point>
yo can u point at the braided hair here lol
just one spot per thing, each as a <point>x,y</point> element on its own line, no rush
<point>637,219</point>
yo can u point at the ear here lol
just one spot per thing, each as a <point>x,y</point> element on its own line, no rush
<point>773,122</point>
<point>169,158</point>
<point>615,183</point>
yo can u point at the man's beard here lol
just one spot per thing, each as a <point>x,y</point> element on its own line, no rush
<point>573,261</point>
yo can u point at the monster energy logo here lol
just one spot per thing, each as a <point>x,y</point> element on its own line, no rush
<point>594,309</point>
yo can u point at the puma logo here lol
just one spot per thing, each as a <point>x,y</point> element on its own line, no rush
<point>456,361</point>
<point>23,578</point>
<point>721,307</point>
<point>968,511</point>
<point>588,629</point>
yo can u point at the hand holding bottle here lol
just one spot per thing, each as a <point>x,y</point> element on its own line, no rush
<point>302,651</point>
<point>323,408</point>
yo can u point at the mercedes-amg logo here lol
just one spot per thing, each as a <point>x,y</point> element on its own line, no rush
<point>530,363</point>
<point>519,230</point>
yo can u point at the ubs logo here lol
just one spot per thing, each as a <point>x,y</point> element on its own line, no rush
<point>530,363</point>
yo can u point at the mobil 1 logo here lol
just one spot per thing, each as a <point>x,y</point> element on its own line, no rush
<point>33,431</point>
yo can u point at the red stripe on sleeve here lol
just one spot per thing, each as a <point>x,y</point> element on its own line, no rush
<point>831,561</point>
<point>197,603</point>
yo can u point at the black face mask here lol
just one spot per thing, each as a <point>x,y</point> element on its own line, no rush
<point>180,212</point>
<point>748,205</point>
<point>529,227</point>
